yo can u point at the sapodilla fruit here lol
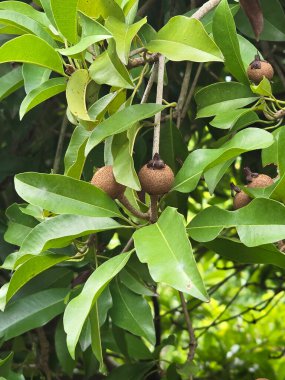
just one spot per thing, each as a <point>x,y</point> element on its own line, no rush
<point>241,199</point>
<point>262,180</point>
<point>258,69</point>
<point>105,180</point>
<point>156,177</point>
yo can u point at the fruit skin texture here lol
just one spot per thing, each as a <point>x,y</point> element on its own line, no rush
<point>104,179</point>
<point>262,180</point>
<point>256,74</point>
<point>241,199</point>
<point>156,181</point>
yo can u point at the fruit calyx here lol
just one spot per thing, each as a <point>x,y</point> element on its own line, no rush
<point>156,163</point>
<point>249,175</point>
<point>256,63</point>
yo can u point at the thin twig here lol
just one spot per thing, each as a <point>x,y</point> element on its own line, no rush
<point>140,61</point>
<point>191,92</point>
<point>207,7</point>
<point>150,82</point>
<point>128,246</point>
<point>44,352</point>
<point>153,208</point>
<point>60,144</point>
<point>159,95</point>
<point>125,202</point>
<point>183,92</point>
<point>192,339</point>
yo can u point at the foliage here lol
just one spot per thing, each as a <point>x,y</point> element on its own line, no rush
<point>94,287</point>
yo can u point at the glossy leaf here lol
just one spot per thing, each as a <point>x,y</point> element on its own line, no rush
<point>97,110</point>
<point>64,10</point>
<point>214,175</point>
<point>228,119</point>
<point>104,8</point>
<point>34,76</point>
<point>263,88</point>
<point>31,312</point>
<point>232,249</point>
<point>26,23</point>
<point>96,343</point>
<point>30,269</point>
<point>108,69</point>
<point>131,312</point>
<point>174,41</point>
<point>31,49</point>
<point>59,231</point>
<point>225,35</point>
<point>64,195</point>
<point>166,241</point>
<point>96,283</point>
<point>202,160</point>
<point>135,371</point>
<point>76,93</point>
<point>66,362</point>
<point>260,222</point>
<point>123,164</point>
<point>74,158</point>
<point>220,97</point>
<point>10,82</point>
<point>43,92</point>
<point>83,44</point>
<point>25,9</point>
<point>123,35</point>
<point>121,121</point>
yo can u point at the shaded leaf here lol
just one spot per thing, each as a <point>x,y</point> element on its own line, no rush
<point>34,76</point>
<point>10,82</point>
<point>274,153</point>
<point>65,360</point>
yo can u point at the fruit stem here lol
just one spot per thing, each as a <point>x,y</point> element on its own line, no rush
<point>153,208</point>
<point>249,175</point>
<point>125,202</point>
<point>234,189</point>
<point>159,95</point>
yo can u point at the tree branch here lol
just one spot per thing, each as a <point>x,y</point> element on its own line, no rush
<point>207,7</point>
<point>140,61</point>
<point>159,95</point>
<point>192,339</point>
<point>60,144</point>
<point>125,202</point>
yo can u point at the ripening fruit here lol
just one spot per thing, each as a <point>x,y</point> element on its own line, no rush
<point>241,199</point>
<point>104,179</point>
<point>258,69</point>
<point>262,180</point>
<point>156,177</point>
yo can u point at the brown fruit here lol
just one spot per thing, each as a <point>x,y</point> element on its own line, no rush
<point>155,177</point>
<point>262,180</point>
<point>241,199</point>
<point>258,69</point>
<point>104,179</point>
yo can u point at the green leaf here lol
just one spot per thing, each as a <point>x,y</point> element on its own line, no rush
<point>232,249</point>
<point>30,269</point>
<point>224,31</point>
<point>220,97</point>
<point>96,283</point>
<point>25,9</point>
<point>5,365</point>
<point>74,158</point>
<point>104,8</point>
<point>97,110</point>
<point>248,51</point>
<point>229,119</point>
<point>96,343</point>
<point>185,39</point>
<point>31,312</point>
<point>260,222</point>
<point>64,195</point>
<point>202,160</point>
<point>64,10</point>
<point>123,35</point>
<point>65,360</point>
<point>121,121</point>
<point>108,69</point>
<point>31,49</point>
<point>34,76</point>
<point>43,92</point>
<point>123,164</point>
<point>19,225</point>
<point>166,242</point>
<point>83,44</point>
<point>215,174</point>
<point>274,22</point>
<point>136,371</point>
<point>9,17</point>
<point>59,231</point>
<point>263,88</point>
<point>76,93</point>
<point>274,153</point>
<point>10,82</point>
<point>131,312</point>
